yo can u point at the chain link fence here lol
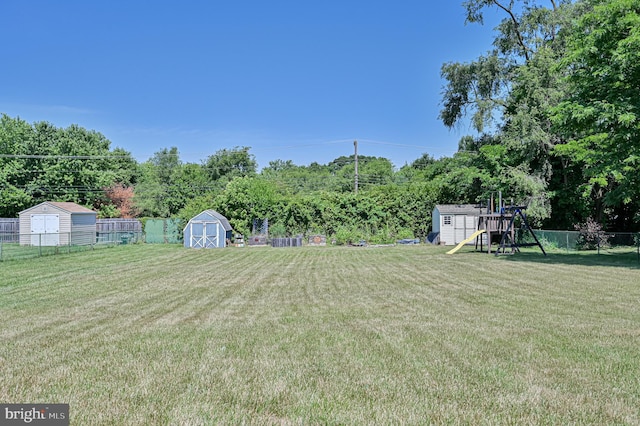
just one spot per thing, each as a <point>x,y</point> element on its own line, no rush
<point>14,246</point>
<point>24,246</point>
<point>562,240</point>
<point>613,243</point>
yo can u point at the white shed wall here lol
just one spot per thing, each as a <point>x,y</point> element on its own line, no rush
<point>64,222</point>
<point>459,229</point>
<point>447,230</point>
<point>74,228</point>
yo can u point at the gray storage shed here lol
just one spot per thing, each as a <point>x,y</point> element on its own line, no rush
<point>208,229</point>
<point>454,223</point>
<point>57,224</point>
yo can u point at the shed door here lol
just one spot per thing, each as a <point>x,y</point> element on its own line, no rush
<point>204,235</point>
<point>45,229</point>
<point>472,224</point>
<point>447,234</point>
<point>196,232</point>
<point>460,227</point>
<point>211,234</point>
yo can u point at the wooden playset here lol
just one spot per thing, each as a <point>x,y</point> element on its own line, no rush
<point>499,226</point>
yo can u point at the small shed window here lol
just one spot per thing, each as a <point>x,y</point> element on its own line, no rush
<point>446,220</point>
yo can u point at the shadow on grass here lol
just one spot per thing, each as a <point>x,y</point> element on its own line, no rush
<point>626,259</point>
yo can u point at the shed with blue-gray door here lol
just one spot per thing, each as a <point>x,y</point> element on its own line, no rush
<point>208,229</point>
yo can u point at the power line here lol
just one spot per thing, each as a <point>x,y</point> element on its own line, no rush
<point>259,148</point>
<point>327,180</point>
<point>373,142</point>
<point>64,157</point>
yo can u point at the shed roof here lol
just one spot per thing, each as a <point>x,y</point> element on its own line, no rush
<point>223,220</point>
<point>64,206</point>
<point>468,209</point>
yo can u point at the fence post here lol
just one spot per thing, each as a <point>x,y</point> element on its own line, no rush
<point>40,245</point>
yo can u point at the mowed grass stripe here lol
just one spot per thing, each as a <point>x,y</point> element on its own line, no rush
<point>165,335</point>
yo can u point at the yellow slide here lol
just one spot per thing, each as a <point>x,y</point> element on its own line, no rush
<point>468,240</point>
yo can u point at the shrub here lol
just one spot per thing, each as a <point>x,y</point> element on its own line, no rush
<point>277,230</point>
<point>346,235</point>
<point>404,233</point>
<point>591,236</point>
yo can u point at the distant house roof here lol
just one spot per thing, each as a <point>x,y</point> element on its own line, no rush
<point>64,206</point>
<point>468,209</point>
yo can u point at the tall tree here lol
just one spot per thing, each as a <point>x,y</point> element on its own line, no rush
<point>227,164</point>
<point>295,179</point>
<point>155,191</point>
<point>41,162</point>
<point>14,176</point>
<point>601,117</point>
<point>506,93</point>
<point>245,199</point>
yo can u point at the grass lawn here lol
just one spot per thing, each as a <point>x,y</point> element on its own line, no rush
<point>159,334</point>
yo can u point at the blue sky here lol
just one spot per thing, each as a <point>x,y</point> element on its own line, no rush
<point>292,80</point>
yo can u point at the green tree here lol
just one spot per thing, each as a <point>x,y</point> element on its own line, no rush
<point>297,179</point>
<point>507,93</point>
<point>166,184</point>
<point>423,162</point>
<point>601,116</point>
<point>41,162</point>
<point>227,164</point>
<point>376,171</point>
<point>245,199</point>
<point>14,176</point>
<point>125,167</point>
<point>150,193</point>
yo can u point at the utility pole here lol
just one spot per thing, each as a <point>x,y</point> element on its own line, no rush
<point>355,146</point>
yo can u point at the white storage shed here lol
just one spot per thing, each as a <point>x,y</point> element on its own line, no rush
<point>57,224</point>
<point>454,223</point>
<point>208,229</point>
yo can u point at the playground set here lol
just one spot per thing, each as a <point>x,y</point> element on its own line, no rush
<point>499,226</point>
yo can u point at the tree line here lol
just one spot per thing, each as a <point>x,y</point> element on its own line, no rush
<point>555,105</point>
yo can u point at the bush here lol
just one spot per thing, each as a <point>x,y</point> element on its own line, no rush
<point>381,238</point>
<point>591,236</point>
<point>404,233</point>
<point>277,230</point>
<point>345,235</point>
